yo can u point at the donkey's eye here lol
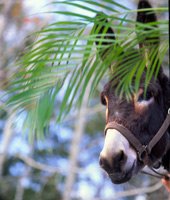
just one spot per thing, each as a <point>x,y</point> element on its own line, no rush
<point>149,95</point>
<point>103,100</point>
<point>143,101</point>
<point>145,97</point>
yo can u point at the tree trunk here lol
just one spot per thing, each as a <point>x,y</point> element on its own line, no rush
<point>20,188</point>
<point>74,151</point>
<point>7,134</point>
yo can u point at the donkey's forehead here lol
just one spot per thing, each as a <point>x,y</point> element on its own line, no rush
<point>153,86</point>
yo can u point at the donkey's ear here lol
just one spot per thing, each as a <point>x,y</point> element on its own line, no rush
<point>102,28</point>
<point>146,17</point>
<point>151,37</point>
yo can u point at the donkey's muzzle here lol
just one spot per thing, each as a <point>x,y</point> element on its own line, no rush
<point>113,163</point>
<point>117,157</point>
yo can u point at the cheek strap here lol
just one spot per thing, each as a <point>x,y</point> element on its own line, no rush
<point>143,151</point>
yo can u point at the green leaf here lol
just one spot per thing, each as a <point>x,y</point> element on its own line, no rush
<point>65,58</point>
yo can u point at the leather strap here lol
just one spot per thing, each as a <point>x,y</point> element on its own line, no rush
<point>160,133</point>
<point>142,150</point>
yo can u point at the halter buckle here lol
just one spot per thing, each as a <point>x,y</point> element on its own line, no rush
<point>142,154</point>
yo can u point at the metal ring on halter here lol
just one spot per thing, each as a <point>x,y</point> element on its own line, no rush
<point>142,155</point>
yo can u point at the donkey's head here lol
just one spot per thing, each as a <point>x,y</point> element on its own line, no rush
<point>142,116</point>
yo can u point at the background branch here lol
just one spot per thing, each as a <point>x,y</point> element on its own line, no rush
<point>134,192</point>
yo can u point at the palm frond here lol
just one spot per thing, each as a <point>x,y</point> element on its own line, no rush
<point>65,53</point>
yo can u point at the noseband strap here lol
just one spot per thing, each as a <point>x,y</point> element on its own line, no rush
<point>143,151</point>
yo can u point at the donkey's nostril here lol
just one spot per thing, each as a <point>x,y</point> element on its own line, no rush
<point>100,161</point>
<point>104,164</point>
<point>119,158</point>
<point>113,162</point>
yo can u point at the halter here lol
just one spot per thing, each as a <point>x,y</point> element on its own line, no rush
<point>143,151</point>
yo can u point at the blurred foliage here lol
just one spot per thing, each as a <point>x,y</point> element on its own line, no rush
<point>64,58</point>
<point>49,82</point>
<point>48,192</point>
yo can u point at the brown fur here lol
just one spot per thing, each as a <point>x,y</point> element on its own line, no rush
<point>142,120</point>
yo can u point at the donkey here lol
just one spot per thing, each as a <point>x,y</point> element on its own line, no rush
<point>131,125</point>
